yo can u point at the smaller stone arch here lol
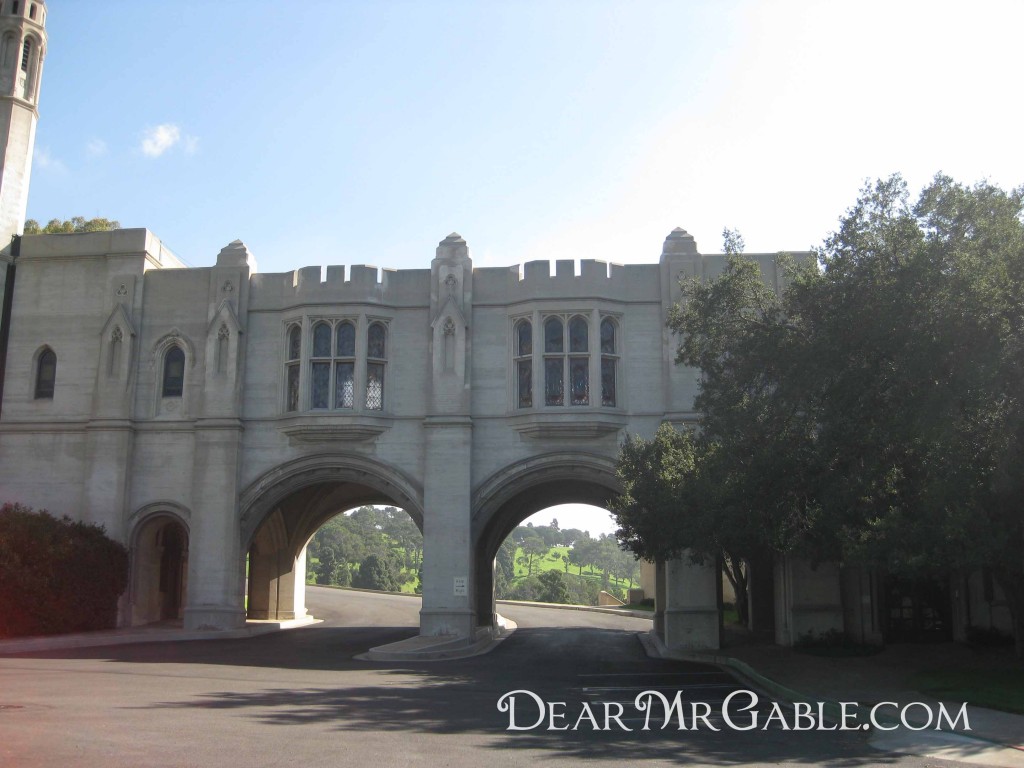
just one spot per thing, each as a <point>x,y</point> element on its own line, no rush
<point>515,492</point>
<point>281,510</point>
<point>159,544</point>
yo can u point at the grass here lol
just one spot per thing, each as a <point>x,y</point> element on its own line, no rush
<point>1001,689</point>
<point>546,563</point>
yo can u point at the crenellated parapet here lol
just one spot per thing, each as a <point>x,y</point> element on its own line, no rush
<point>355,284</point>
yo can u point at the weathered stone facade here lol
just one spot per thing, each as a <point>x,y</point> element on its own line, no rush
<point>469,397</point>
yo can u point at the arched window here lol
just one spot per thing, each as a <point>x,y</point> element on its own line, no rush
<point>609,361</point>
<point>345,366</point>
<point>292,368</point>
<point>174,372</point>
<point>26,53</point>
<point>320,366</point>
<point>579,363</point>
<point>554,363</point>
<point>376,357</point>
<point>524,364</point>
<point>46,375</point>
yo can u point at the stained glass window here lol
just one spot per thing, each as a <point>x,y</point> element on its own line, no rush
<point>578,335</point>
<point>174,372</point>
<point>346,340</point>
<point>608,381</point>
<point>294,342</point>
<point>525,383</point>
<point>607,336</point>
<point>344,376</point>
<point>553,335</point>
<point>579,378</point>
<point>46,375</point>
<point>375,342</point>
<point>293,387</point>
<point>554,388</point>
<point>375,386</point>
<point>321,385</point>
<point>321,340</point>
<point>524,340</point>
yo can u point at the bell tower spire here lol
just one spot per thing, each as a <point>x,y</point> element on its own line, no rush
<point>22,50</point>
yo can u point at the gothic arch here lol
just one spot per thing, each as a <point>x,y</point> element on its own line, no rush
<point>159,538</point>
<point>281,510</point>
<point>515,492</point>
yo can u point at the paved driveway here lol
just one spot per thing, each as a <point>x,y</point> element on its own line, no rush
<point>299,698</point>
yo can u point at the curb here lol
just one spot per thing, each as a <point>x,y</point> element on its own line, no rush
<point>655,648</point>
<point>591,608</point>
<point>88,640</point>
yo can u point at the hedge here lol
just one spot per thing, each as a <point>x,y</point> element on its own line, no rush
<point>57,575</point>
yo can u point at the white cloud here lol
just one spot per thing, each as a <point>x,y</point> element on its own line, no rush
<point>157,140</point>
<point>43,160</point>
<point>96,148</point>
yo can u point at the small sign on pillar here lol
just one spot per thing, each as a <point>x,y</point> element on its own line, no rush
<point>460,586</point>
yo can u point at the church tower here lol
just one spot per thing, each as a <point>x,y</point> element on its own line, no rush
<point>22,50</point>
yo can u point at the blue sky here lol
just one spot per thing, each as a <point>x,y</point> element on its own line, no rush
<point>364,132</point>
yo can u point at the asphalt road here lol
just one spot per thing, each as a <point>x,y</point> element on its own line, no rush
<point>299,698</point>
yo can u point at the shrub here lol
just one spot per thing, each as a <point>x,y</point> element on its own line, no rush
<point>57,575</point>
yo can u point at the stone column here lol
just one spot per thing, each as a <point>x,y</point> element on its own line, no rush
<point>692,601</point>
<point>215,578</point>
<point>808,600</point>
<point>448,588</point>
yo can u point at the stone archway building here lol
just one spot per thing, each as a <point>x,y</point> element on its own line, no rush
<point>266,403</point>
<point>203,415</point>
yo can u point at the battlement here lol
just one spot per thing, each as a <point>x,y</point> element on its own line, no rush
<point>355,284</point>
<point>542,280</point>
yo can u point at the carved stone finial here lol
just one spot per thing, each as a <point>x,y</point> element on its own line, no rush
<point>679,241</point>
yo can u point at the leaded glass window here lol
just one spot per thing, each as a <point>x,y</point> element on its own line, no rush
<point>344,392</point>
<point>524,364</point>
<point>346,340</point>
<point>374,386</point>
<point>607,337</point>
<point>320,366</point>
<point>553,343</point>
<point>375,342</point>
<point>46,375</point>
<point>578,340</point>
<point>294,343</point>
<point>554,388</point>
<point>174,372</point>
<point>321,340</point>
<point>344,367</point>
<point>292,368</point>
<point>579,378</point>
<point>376,353</point>
<point>609,362</point>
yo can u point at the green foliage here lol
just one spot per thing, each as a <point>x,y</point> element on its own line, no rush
<point>57,575</point>
<point>553,588</point>
<point>327,568</point>
<point>870,410</point>
<point>71,226</point>
<point>386,532</point>
<point>376,572</point>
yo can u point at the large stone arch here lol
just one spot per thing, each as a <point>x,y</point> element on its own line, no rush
<point>515,492</point>
<point>282,509</point>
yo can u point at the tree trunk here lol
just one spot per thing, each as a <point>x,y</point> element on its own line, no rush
<point>733,567</point>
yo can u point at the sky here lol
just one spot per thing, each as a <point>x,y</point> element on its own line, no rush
<point>363,132</point>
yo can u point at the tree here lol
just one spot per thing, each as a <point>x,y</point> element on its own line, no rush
<point>71,226</point>
<point>377,572</point>
<point>870,410</point>
<point>533,547</point>
<point>553,588</point>
<point>327,568</point>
